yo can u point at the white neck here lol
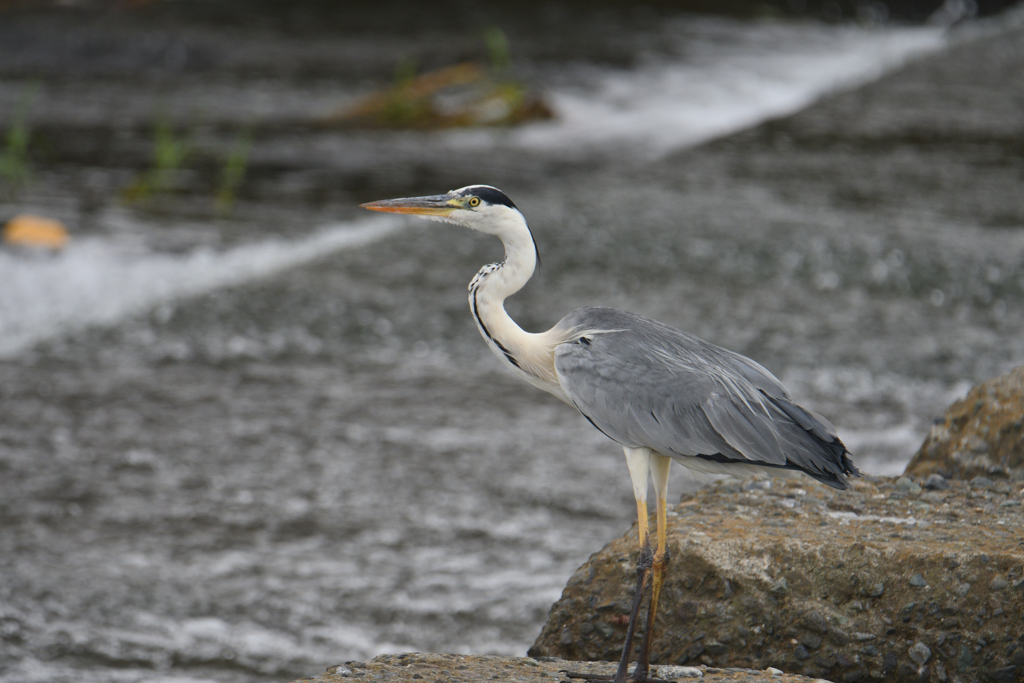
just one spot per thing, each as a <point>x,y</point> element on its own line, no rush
<point>531,356</point>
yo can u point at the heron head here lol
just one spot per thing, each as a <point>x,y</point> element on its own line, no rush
<point>479,207</point>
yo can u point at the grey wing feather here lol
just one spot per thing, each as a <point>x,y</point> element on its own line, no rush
<point>645,384</point>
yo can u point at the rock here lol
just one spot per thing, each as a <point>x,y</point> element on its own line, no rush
<point>982,483</point>
<point>1006,674</point>
<point>979,436</point>
<point>873,583</point>
<point>920,653</point>
<point>918,581</point>
<point>936,482</point>
<point>475,668</point>
<point>908,485</point>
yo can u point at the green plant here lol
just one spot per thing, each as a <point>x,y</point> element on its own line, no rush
<point>498,51</point>
<point>234,171</point>
<point>169,155</point>
<point>14,162</point>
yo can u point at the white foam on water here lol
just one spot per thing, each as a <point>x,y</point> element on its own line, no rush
<point>99,281</point>
<point>730,76</point>
<point>883,452</point>
<point>253,650</point>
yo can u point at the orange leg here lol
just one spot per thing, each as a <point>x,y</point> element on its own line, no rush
<point>643,462</point>
<point>659,473</point>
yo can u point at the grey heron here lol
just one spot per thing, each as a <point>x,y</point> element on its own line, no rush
<point>664,395</point>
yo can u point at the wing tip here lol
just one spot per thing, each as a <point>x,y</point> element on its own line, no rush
<point>838,469</point>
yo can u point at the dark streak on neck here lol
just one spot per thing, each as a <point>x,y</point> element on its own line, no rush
<point>487,333</point>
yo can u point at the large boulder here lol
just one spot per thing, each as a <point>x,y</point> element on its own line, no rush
<point>885,581</point>
<point>979,436</point>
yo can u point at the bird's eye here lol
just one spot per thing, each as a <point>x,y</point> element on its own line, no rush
<point>474,201</point>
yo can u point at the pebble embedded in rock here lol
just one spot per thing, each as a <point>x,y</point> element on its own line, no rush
<point>964,658</point>
<point>1006,674</point>
<point>673,672</point>
<point>816,622</point>
<point>339,670</point>
<point>920,653</point>
<point>811,640</point>
<point>908,485</point>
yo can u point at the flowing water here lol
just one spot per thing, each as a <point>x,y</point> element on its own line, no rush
<point>244,448</point>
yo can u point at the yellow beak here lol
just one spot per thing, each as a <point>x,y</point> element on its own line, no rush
<point>436,205</point>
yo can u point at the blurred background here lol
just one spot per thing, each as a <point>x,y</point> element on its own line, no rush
<point>248,430</point>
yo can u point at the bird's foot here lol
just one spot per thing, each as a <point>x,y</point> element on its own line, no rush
<point>635,677</point>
